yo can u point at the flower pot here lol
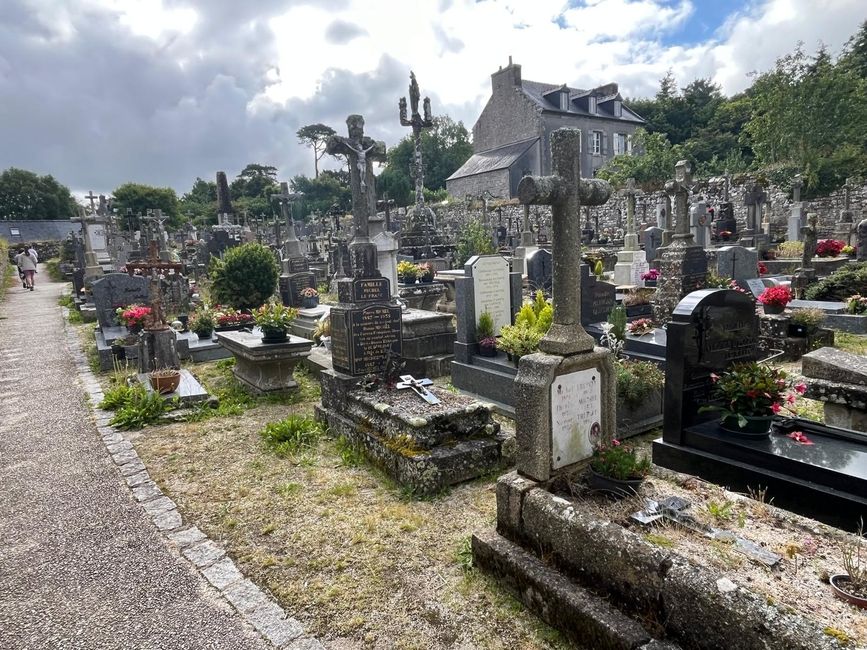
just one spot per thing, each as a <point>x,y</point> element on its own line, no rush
<point>774,309</point>
<point>309,303</point>
<point>185,321</point>
<point>426,279</point>
<point>405,279</point>
<point>270,335</point>
<point>617,487</point>
<point>799,331</point>
<point>164,384</point>
<point>757,426</point>
<point>487,351</point>
<point>118,351</point>
<point>205,335</point>
<point>650,283</point>
<point>840,586</point>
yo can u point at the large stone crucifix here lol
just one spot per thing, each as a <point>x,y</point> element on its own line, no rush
<point>630,242</point>
<point>285,198</point>
<point>360,151</point>
<point>417,122</point>
<point>565,192</point>
<point>678,189</point>
<point>92,198</point>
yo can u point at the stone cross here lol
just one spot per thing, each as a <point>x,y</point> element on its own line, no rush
<point>810,237</point>
<point>360,152</point>
<point>630,242</point>
<point>92,197</point>
<point>565,192</point>
<point>285,197</point>
<point>417,122</point>
<point>726,180</point>
<point>797,184</point>
<point>678,189</point>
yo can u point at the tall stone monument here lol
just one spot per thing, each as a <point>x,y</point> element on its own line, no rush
<point>366,324</point>
<point>845,228</point>
<point>296,274</point>
<point>725,215</point>
<point>683,266</point>
<point>796,217</point>
<point>631,261</point>
<point>754,197</point>
<point>806,274</point>
<point>663,218</point>
<point>566,392</point>
<point>700,222</point>
<point>225,211</point>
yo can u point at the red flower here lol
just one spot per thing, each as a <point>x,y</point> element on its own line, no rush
<point>800,438</point>
<point>763,268</point>
<point>829,247</point>
<point>775,407</point>
<point>753,394</point>
<point>800,388</point>
<point>615,443</point>
<point>776,296</point>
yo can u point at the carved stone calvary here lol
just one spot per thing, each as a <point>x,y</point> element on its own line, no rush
<point>565,192</point>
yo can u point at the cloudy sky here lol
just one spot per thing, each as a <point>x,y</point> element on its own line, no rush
<point>100,92</point>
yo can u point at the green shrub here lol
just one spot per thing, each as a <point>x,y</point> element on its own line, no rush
<point>245,278</point>
<point>139,409</point>
<point>292,434</point>
<point>474,239</point>
<point>841,284</point>
<point>52,267</point>
<point>485,328</point>
<point>790,250</point>
<point>617,317</point>
<point>636,380</point>
<point>519,340</point>
<point>118,396</point>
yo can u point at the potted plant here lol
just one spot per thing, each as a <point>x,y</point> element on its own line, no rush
<point>637,302</point>
<point>309,298</point>
<point>804,322</point>
<point>598,269</point>
<point>425,272</point>
<point>775,299</point>
<point>322,332</point>
<point>273,319</point>
<point>641,326</point>
<point>165,380</point>
<point>849,251</point>
<point>406,272</point>
<point>852,585</point>
<point>485,335</point>
<point>617,469</point>
<point>651,277</point>
<point>518,340</point>
<point>134,317</point>
<point>228,319</point>
<point>749,395</point>
<point>829,247</point>
<point>856,304</point>
<point>202,323</point>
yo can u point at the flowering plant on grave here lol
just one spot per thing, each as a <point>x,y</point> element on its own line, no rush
<point>133,315</point>
<point>776,296</point>
<point>309,292</point>
<point>619,461</point>
<point>762,268</point>
<point>488,342</point>
<point>641,326</point>
<point>725,234</point>
<point>425,271</point>
<point>829,247</point>
<point>752,389</point>
<point>652,274</point>
<point>856,304</point>
<point>229,317</point>
<point>849,251</point>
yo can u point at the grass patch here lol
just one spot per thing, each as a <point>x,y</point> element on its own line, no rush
<point>291,435</point>
<point>855,343</point>
<point>659,540</point>
<point>350,455</point>
<point>66,301</point>
<point>138,407</point>
<point>52,267</point>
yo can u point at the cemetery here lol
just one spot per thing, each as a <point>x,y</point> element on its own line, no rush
<point>569,396</point>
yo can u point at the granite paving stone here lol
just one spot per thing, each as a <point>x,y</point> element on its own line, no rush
<point>187,536</point>
<point>105,578</point>
<point>169,520</point>
<point>222,573</point>
<point>245,596</point>
<point>204,554</point>
<point>138,478</point>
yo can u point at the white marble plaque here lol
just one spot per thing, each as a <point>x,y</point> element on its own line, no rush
<point>576,414</point>
<point>491,289</point>
<point>96,234</point>
<point>756,286</point>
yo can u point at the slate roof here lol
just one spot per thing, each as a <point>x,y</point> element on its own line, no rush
<point>37,230</point>
<point>536,92</point>
<point>493,159</point>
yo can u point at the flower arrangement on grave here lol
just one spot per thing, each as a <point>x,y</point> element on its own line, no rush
<point>804,322</point>
<point>829,247</point>
<point>202,322</point>
<point>617,468</point>
<point>274,319</point>
<point>641,326</point>
<point>636,380</point>
<point>407,271</point>
<point>790,250</point>
<point>228,317</point>
<point>134,316</point>
<point>638,296</point>
<point>485,334</point>
<point>848,251</point>
<point>309,292</point>
<point>309,297</point>
<point>762,268</point>
<point>714,281</point>
<point>750,394</point>
<point>775,299</point>
<point>652,275</point>
<point>856,304</point>
<point>322,332</point>
<point>425,272</point>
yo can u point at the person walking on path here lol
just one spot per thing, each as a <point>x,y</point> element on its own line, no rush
<point>27,263</point>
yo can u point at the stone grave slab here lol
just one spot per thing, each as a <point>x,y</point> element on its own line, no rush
<point>189,391</point>
<point>737,262</point>
<point>490,278</point>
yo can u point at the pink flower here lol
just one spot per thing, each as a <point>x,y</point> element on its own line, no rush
<point>800,388</point>
<point>714,377</point>
<point>615,443</point>
<point>775,407</point>
<point>790,399</point>
<point>800,438</point>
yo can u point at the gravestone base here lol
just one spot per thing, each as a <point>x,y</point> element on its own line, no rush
<point>424,447</point>
<point>774,337</point>
<point>683,269</point>
<point>491,379</point>
<point>265,368</point>
<point>428,342</point>
<point>158,350</point>
<point>424,295</point>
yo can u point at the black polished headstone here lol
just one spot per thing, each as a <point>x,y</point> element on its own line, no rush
<point>540,270</point>
<point>597,298</point>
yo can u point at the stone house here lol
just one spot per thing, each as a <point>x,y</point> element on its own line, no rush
<point>511,136</point>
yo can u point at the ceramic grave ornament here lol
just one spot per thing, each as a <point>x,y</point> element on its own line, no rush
<point>566,392</point>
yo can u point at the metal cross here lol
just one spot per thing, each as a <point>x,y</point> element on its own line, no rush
<point>418,387</point>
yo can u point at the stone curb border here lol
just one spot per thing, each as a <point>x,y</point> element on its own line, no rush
<point>208,558</point>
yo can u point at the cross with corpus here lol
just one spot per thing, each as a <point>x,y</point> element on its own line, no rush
<point>417,122</point>
<point>285,198</point>
<point>679,190</point>
<point>92,197</point>
<point>565,192</point>
<point>360,152</point>
<point>418,387</point>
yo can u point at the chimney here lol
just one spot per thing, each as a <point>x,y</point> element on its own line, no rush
<point>506,78</point>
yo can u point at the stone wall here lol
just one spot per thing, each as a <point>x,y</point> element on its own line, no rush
<point>613,214</point>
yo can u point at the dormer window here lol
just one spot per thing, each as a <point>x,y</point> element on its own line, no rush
<point>618,108</point>
<point>564,101</point>
<point>591,105</point>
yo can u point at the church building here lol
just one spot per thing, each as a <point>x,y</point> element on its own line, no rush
<point>511,138</point>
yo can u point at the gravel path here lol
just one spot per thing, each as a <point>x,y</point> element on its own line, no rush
<point>81,565</point>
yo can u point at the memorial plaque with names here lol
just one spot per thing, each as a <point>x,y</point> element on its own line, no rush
<point>96,234</point>
<point>491,290</point>
<point>597,298</point>
<point>576,413</point>
<point>292,285</point>
<point>298,264</point>
<point>364,337</point>
<point>756,285</point>
<point>693,274</point>
<point>364,290</point>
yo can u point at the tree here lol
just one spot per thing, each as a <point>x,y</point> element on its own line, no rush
<point>331,188</point>
<point>315,137</point>
<point>140,198</point>
<point>473,239</point>
<point>444,148</point>
<point>255,181</point>
<point>652,167</point>
<point>200,203</point>
<point>25,195</point>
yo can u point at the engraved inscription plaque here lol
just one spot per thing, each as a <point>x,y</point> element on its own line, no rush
<point>576,413</point>
<point>491,289</point>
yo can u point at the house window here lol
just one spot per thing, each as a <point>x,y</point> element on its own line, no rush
<point>15,232</point>
<point>591,105</point>
<point>597,143</point>
<point>564,101</point>
<point>620,143</point>
<point>629,144</point>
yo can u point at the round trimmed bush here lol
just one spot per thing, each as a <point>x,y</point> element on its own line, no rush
<point>841,284</point>
<point>245,278</point>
